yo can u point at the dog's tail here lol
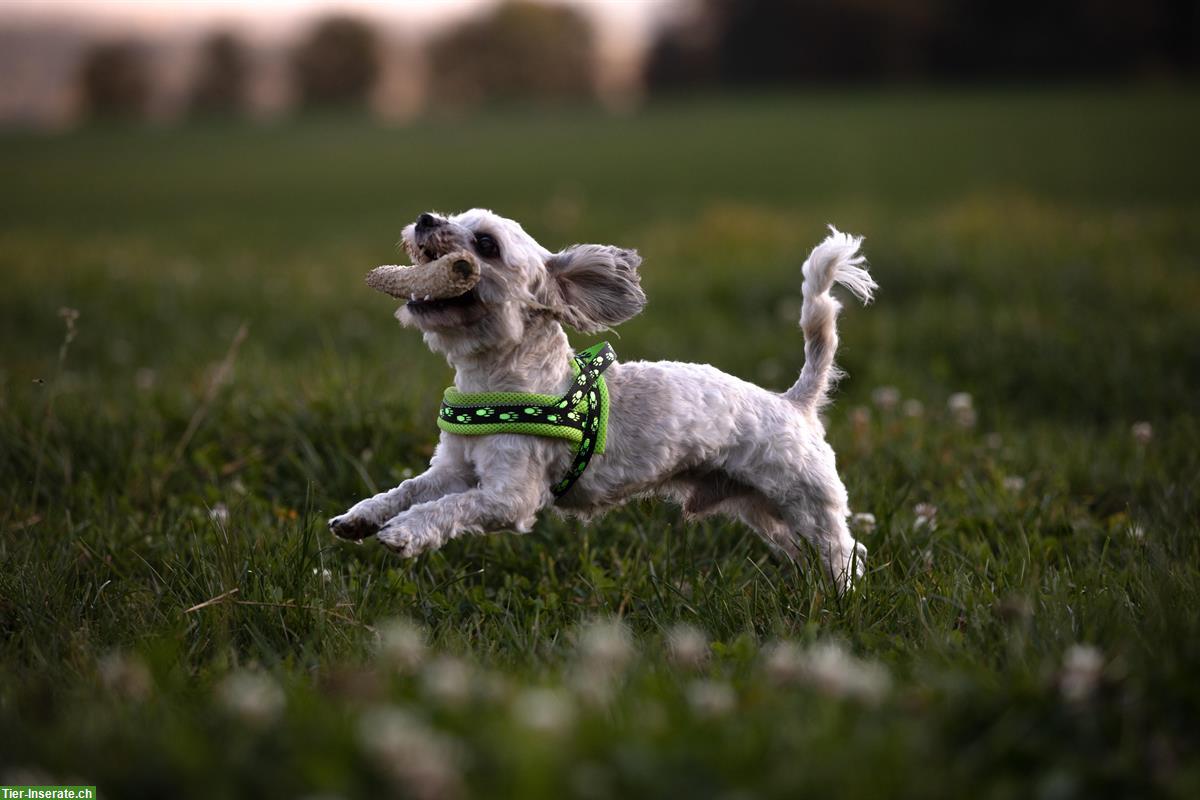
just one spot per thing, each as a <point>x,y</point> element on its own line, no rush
<point>835,260</point>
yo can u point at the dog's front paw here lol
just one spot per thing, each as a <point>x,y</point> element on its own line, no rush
<point>406,540</point>
<point>353,526</point>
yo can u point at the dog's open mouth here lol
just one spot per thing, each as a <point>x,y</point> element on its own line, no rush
<point>467,298</point>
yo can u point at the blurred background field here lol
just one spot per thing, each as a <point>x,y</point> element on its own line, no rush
<point>193,377</point>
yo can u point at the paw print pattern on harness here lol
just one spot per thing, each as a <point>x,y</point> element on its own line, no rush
<point>580,412</point>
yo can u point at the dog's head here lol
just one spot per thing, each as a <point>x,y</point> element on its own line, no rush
<point>588,287</point>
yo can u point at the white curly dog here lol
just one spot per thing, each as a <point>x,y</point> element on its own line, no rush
<point>711,442</point>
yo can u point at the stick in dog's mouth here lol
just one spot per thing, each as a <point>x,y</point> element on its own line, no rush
<point>449,280</point>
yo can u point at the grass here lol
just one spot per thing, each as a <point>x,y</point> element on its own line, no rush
<point>1036,250</point>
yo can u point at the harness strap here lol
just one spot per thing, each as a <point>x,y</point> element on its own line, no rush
<point>580,415</point>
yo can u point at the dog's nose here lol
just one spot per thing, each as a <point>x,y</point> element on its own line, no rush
<point>426,221</point>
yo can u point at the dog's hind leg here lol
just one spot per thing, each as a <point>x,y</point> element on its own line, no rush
<point>813,506</point>
<point>763,518</point>
<point>706,494</point>
<point>820,518</point>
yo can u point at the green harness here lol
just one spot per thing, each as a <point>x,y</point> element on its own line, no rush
<point>580,415</point>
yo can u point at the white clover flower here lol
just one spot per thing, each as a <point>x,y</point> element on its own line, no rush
<point>788,308</point>
<point>253,697</point>
<point>926,516</point>
<point>145,379</point>
<point>711,698</point>
<point>960,401</point>
<point>125,675</point>
<point>886,398</point>
<point>401,644</point>
<point>913,408</point>
<point>1014,483</point>
<point>493,687</point>
<point>770,369</point>
<point>1142,432</point>
<point>687,646</point>
<point>448,680</point>
<point>927,559</point>
<point>837,672</point>
<point>784,663</point>
<point>548,711</point>
<point>593,689</point>
<point>29,776</point>
<point>863,522</point>
<point>389,732</point>
<point>962,409</point>
<point>605,647</point>
<point>325,574</point>
<point>417,758</point>
<point>1136,532</point>
<point>860,416</point>
<point>1082,667</point>
<point>219,513</point>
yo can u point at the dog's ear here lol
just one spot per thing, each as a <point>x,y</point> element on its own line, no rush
<point>593,286</point>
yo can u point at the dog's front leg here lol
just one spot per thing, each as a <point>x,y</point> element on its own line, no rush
<point>446,475</point>
<point>508,499</point>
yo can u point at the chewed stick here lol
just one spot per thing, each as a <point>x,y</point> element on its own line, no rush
<point>449,276</point>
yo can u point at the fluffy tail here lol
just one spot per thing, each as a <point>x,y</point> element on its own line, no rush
<point>835,260</point>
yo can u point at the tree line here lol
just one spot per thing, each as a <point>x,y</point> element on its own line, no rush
<point>796,42</point>
<point>518,49</point>
<point>527,50</point>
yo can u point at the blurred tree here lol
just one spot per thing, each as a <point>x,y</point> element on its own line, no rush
<point>773,42</point>
<point>518,50</point>
<point>1182,35</point>
<point>221,81</point>
<point>114,80</point>
<point>338,64</point>
<point>997,39</point>
<point>785,42</point>
<point>684,54</point>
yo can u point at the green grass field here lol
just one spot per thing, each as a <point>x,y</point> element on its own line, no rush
<point>1035,250</point>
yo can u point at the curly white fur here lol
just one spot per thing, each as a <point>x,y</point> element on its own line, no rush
<point>710,441</point>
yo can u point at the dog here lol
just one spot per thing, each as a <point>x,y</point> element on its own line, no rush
<point>710,442</point>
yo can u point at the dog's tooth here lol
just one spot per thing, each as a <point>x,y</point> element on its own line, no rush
<point>428,297</point>
<point>413,296</point>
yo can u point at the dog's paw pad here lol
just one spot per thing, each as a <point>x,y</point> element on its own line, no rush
<point>355,528</point>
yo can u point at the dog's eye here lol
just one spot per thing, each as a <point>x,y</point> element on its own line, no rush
<point>486,246</point>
